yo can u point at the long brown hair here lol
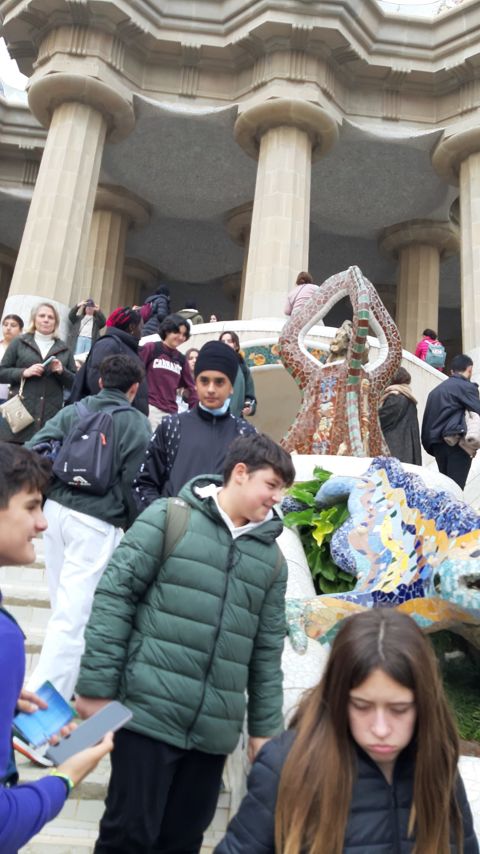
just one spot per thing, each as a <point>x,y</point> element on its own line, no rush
<point>315,788</point>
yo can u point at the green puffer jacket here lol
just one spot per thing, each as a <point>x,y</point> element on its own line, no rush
<point>180,643</point>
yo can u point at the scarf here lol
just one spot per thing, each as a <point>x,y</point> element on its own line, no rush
<point>399,389</point>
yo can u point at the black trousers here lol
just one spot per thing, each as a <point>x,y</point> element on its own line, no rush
<point>160,800</point>
<point>452,461</point>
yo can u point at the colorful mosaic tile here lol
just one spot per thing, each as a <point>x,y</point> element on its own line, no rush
<point>409,547</point>
<point>345,421</point>
<point>256,356</point>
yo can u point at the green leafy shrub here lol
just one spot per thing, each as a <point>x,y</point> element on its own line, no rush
<point>316,528</point>
<point>460,666</point>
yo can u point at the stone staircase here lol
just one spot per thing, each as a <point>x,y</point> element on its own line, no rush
<point>25,595</point>
<point>74,831</point>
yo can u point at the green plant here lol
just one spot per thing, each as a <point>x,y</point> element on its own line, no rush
<point>316,528</point>
<point>460,666</point>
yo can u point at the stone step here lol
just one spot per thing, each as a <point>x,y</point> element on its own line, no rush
<point>31,661</point>
<point>25,593</point>
<point>60,837</point>
<point>64,836</point>
<point>32,574</point>
<point>34,639</point>
<point>32,619</point>
<point>74,831</point>
<point>93,788</point>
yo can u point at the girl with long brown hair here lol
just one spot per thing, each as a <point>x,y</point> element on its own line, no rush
<point>369,763</point>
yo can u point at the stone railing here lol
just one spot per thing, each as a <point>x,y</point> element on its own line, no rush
<point>277,394</point>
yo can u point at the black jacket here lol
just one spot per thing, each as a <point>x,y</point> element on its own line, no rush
<point>184,446</point>
<point>43,396</point>
<point>399,423</point>
<point>445,409</point>
<point>114,342</point>
<point>160,308</point>
<point>378,818</point>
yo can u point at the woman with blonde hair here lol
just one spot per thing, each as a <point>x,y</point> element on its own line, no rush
<point>45,365</point>
<point>369,763</point>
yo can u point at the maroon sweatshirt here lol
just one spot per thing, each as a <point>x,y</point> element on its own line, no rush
<point>167,370</point>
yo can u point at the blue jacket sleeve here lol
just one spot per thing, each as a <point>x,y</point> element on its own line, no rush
<point>23,809</point>
<point>26,808</point>
<point>252,830</point>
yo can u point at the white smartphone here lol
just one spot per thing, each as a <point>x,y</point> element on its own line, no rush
<point>112,717</point>
<point>48,361</point>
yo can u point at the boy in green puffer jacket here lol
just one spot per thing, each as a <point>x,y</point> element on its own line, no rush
<point>180,637</point>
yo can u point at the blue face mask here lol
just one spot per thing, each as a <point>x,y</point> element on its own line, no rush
<point>221,410</point>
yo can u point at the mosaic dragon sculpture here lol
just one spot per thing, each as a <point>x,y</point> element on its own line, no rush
<point>408,547</point>
<point>340,399</point>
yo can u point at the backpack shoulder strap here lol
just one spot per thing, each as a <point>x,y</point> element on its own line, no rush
<point>278,563</point>
<point>81,410</point>
<point>176,523</point>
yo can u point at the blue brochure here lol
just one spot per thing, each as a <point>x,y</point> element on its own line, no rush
<point>38,727</point>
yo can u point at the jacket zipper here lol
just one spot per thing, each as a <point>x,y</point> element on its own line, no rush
<point>398,848</point>
<point>217,632</point>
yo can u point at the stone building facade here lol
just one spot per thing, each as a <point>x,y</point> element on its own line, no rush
<point>221,146</point>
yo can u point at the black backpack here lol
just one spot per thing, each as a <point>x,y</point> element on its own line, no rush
<point>85,460</point>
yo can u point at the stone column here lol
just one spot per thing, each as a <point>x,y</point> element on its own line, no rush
<point>136,275</point>
<point>7,263</point>
<point>419,245</point>
<point>457,159</point>
<point>285,135</point>
<point>238,222</point>
<point>82,107</point>
<point>115,211</point>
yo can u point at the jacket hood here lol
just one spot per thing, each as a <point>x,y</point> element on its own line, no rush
<point>155,297</point>
<point>188,312</point>
<point>267,532</point>
<point>129,340</point>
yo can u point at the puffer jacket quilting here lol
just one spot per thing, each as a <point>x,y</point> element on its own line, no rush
<point>379,812</point>
<point>180,642</point>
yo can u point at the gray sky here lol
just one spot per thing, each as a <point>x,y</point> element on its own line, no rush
<point>9,72</point>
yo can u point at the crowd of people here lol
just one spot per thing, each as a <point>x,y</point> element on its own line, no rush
<point>167,591</point>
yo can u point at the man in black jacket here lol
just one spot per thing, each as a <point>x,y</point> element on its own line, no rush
<point>195,442</point>
<point>124,330</point>
<point>445,417</point>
